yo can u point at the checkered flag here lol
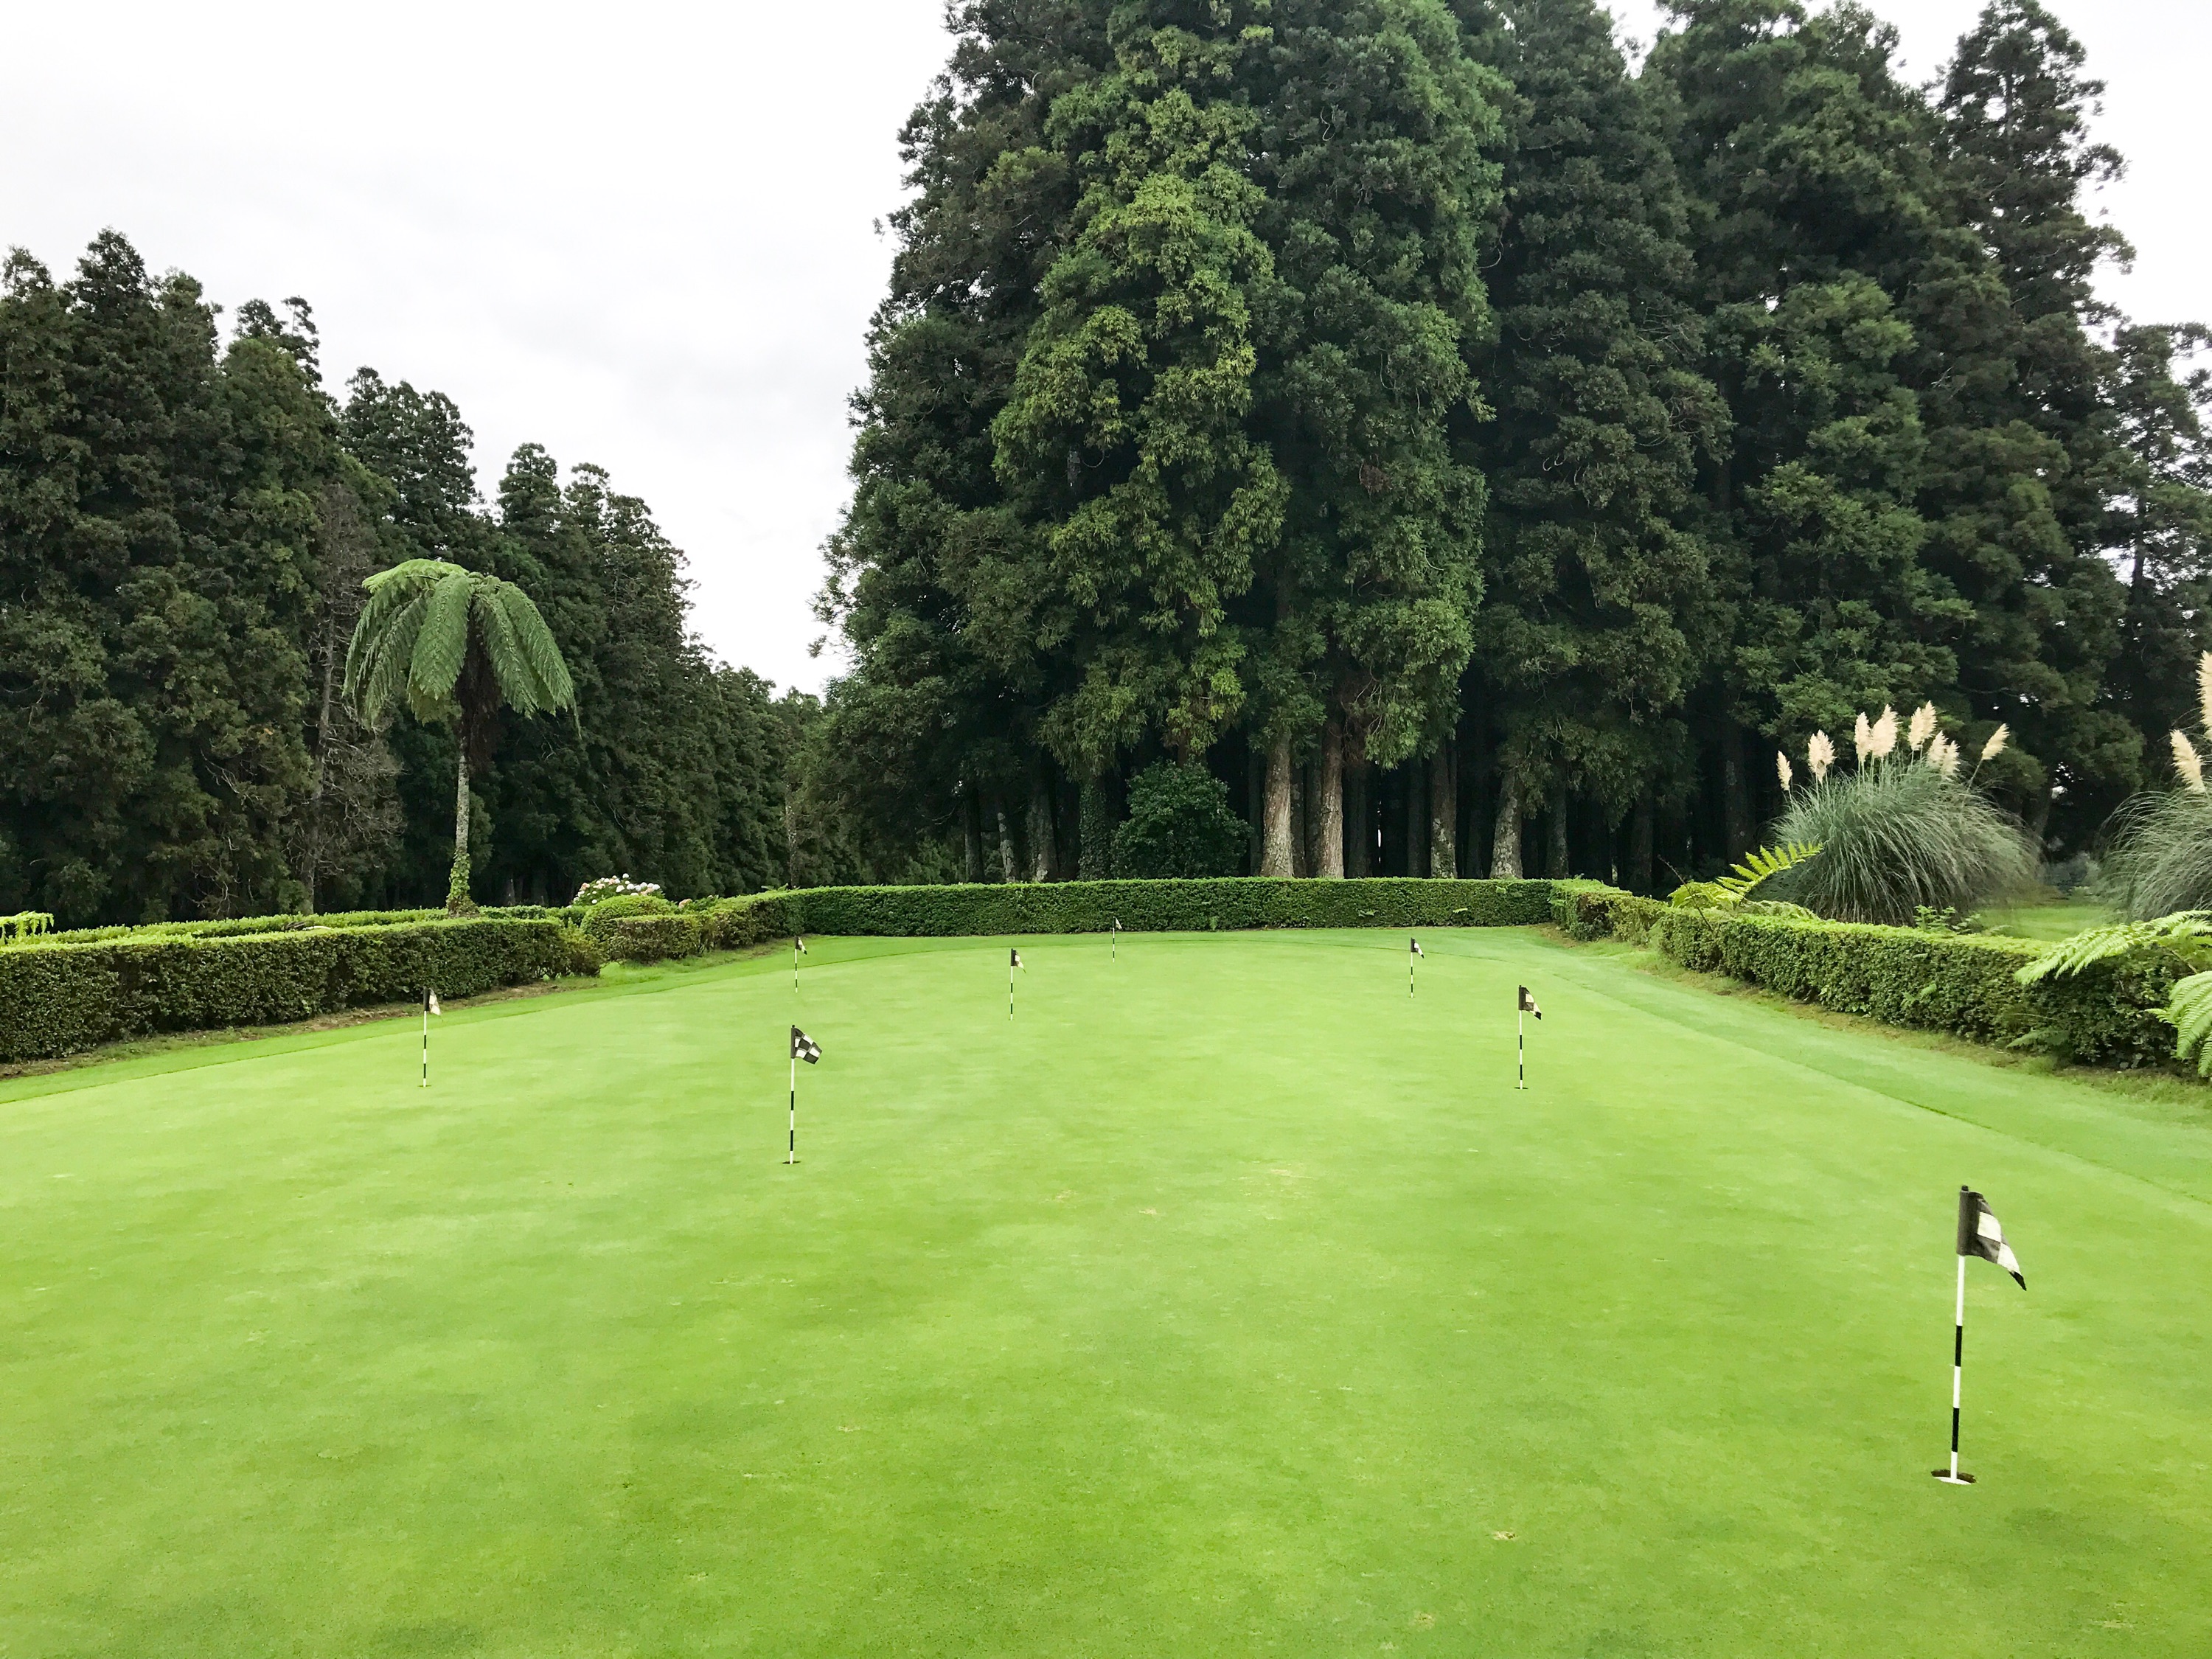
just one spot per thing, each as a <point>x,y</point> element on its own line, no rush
<point>1529,1003</point>
<point>805,1047</point>
<point>1979,1234</point>
<point>430,1003</point>
<point>1014,960</point>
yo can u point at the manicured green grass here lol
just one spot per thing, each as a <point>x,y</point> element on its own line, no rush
<point>1227,1301</point>
<point>2059,919</point>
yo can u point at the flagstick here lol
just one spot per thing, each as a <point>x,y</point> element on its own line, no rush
<point>1520,1047</point>
<point>1958,1367</point>
<point>795,962</point>
<point>793,1157</point>
<point>426,1039</point>
<point>1009,990</point>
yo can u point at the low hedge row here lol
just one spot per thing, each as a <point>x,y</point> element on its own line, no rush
<point>1077,906</point>
<point>240,927</point>
<point>61,999</point>
<point>1964,984</point>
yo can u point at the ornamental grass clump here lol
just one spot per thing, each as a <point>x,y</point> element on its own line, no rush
<point>2160,859</point>
<point>1904,831</point>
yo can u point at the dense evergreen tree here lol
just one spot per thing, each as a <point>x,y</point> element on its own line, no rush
<point>157,547</point>
<point>1602,614</point>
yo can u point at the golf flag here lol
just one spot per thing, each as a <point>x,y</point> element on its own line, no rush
<point>798,944</point>
<point>429,1008</point>
<point>797,950</point>
<point>805,1047</point>
<point>1413,949</point>
<point>1979,1235</point>
<point>1116,947</point>
<point>1522,1008</point>
<point>1013,961</point>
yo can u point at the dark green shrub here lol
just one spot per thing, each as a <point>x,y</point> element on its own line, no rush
<point>652,938</point>
<point>1179,826</point>
<point>59,999</point>
<point>599,920</point>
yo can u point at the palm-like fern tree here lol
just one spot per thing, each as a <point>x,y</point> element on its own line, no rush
<point>452,646</point>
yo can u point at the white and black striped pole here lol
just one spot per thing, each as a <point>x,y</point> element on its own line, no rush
<point>797,950</point>
<point>1117,938</point>
<point>1520,1047</point>
<point>426,1032</point>
<point>1013,961</point>
<point>1978,1235</point>
<point>1412,950</point>
<point>1958,1375</point>
<point>792,1157</point>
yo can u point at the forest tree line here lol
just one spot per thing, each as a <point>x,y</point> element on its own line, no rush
<point>1485,454</point>
<point>186,517</point>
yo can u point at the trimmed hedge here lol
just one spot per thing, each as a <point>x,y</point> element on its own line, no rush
<point>1196,905</point>
<point>1964,984</point>
<point>63,998</point>
<point>650,938</point>
<point>240,927</point>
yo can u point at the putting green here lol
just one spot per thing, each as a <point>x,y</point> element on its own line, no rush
<point>1227,1300</point>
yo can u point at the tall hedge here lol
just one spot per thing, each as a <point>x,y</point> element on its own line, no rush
<point>1964,984</point>
<point>61,999</point>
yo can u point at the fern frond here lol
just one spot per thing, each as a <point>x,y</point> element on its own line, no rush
<point>2189,1006</point>
<point>1764,862</point>
<point>2186,935</point>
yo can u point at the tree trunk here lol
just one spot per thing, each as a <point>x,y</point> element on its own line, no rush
<point>1639,846</point>
<point>1042,857</point>
<point>1096,832</point>
<point>1444,812</point>
<point>1416,817</point>
<point>456,884</point>
<point>1358,823</point>
<point>1302,820</point>
<point>971,827</point>
<point>1555,853</point>
<point>1009,865</point>
<point>1275,858</point>
<point>1505,836</point>
<point>1736,791</point>
<point>1329,833</point>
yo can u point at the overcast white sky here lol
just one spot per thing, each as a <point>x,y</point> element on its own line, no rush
<point>642,234</point>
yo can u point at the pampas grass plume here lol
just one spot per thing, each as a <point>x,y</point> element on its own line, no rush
<point>2204,689</point>
<point>1821,755</point>
<point>2188,764</point>
<point>1884,733</point>
<point>1923,727</point>
<point>1863,737</point>
<point>1782,770</point>
<point>1996,745</point>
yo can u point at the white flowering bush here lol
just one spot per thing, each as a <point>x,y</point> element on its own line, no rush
<point>607,887</point>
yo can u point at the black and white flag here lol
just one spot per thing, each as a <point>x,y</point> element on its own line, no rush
<point>1979,1234</point>
<point>798,944</point>
<point>1416,945</point>
<point>1529,1003</point>
<point>430,1003</point>
<point>805,1047</point>
<point>1014,961</point>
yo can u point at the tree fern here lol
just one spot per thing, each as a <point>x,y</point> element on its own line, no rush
<point>1764,862</point>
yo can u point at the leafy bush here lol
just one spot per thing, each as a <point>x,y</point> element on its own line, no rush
<point>599,920</point>
<point>654,938</point>
<point>1179,825</point>
<point>59,999</point>
<point>2180,943</point>
<point>1898,835</point>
